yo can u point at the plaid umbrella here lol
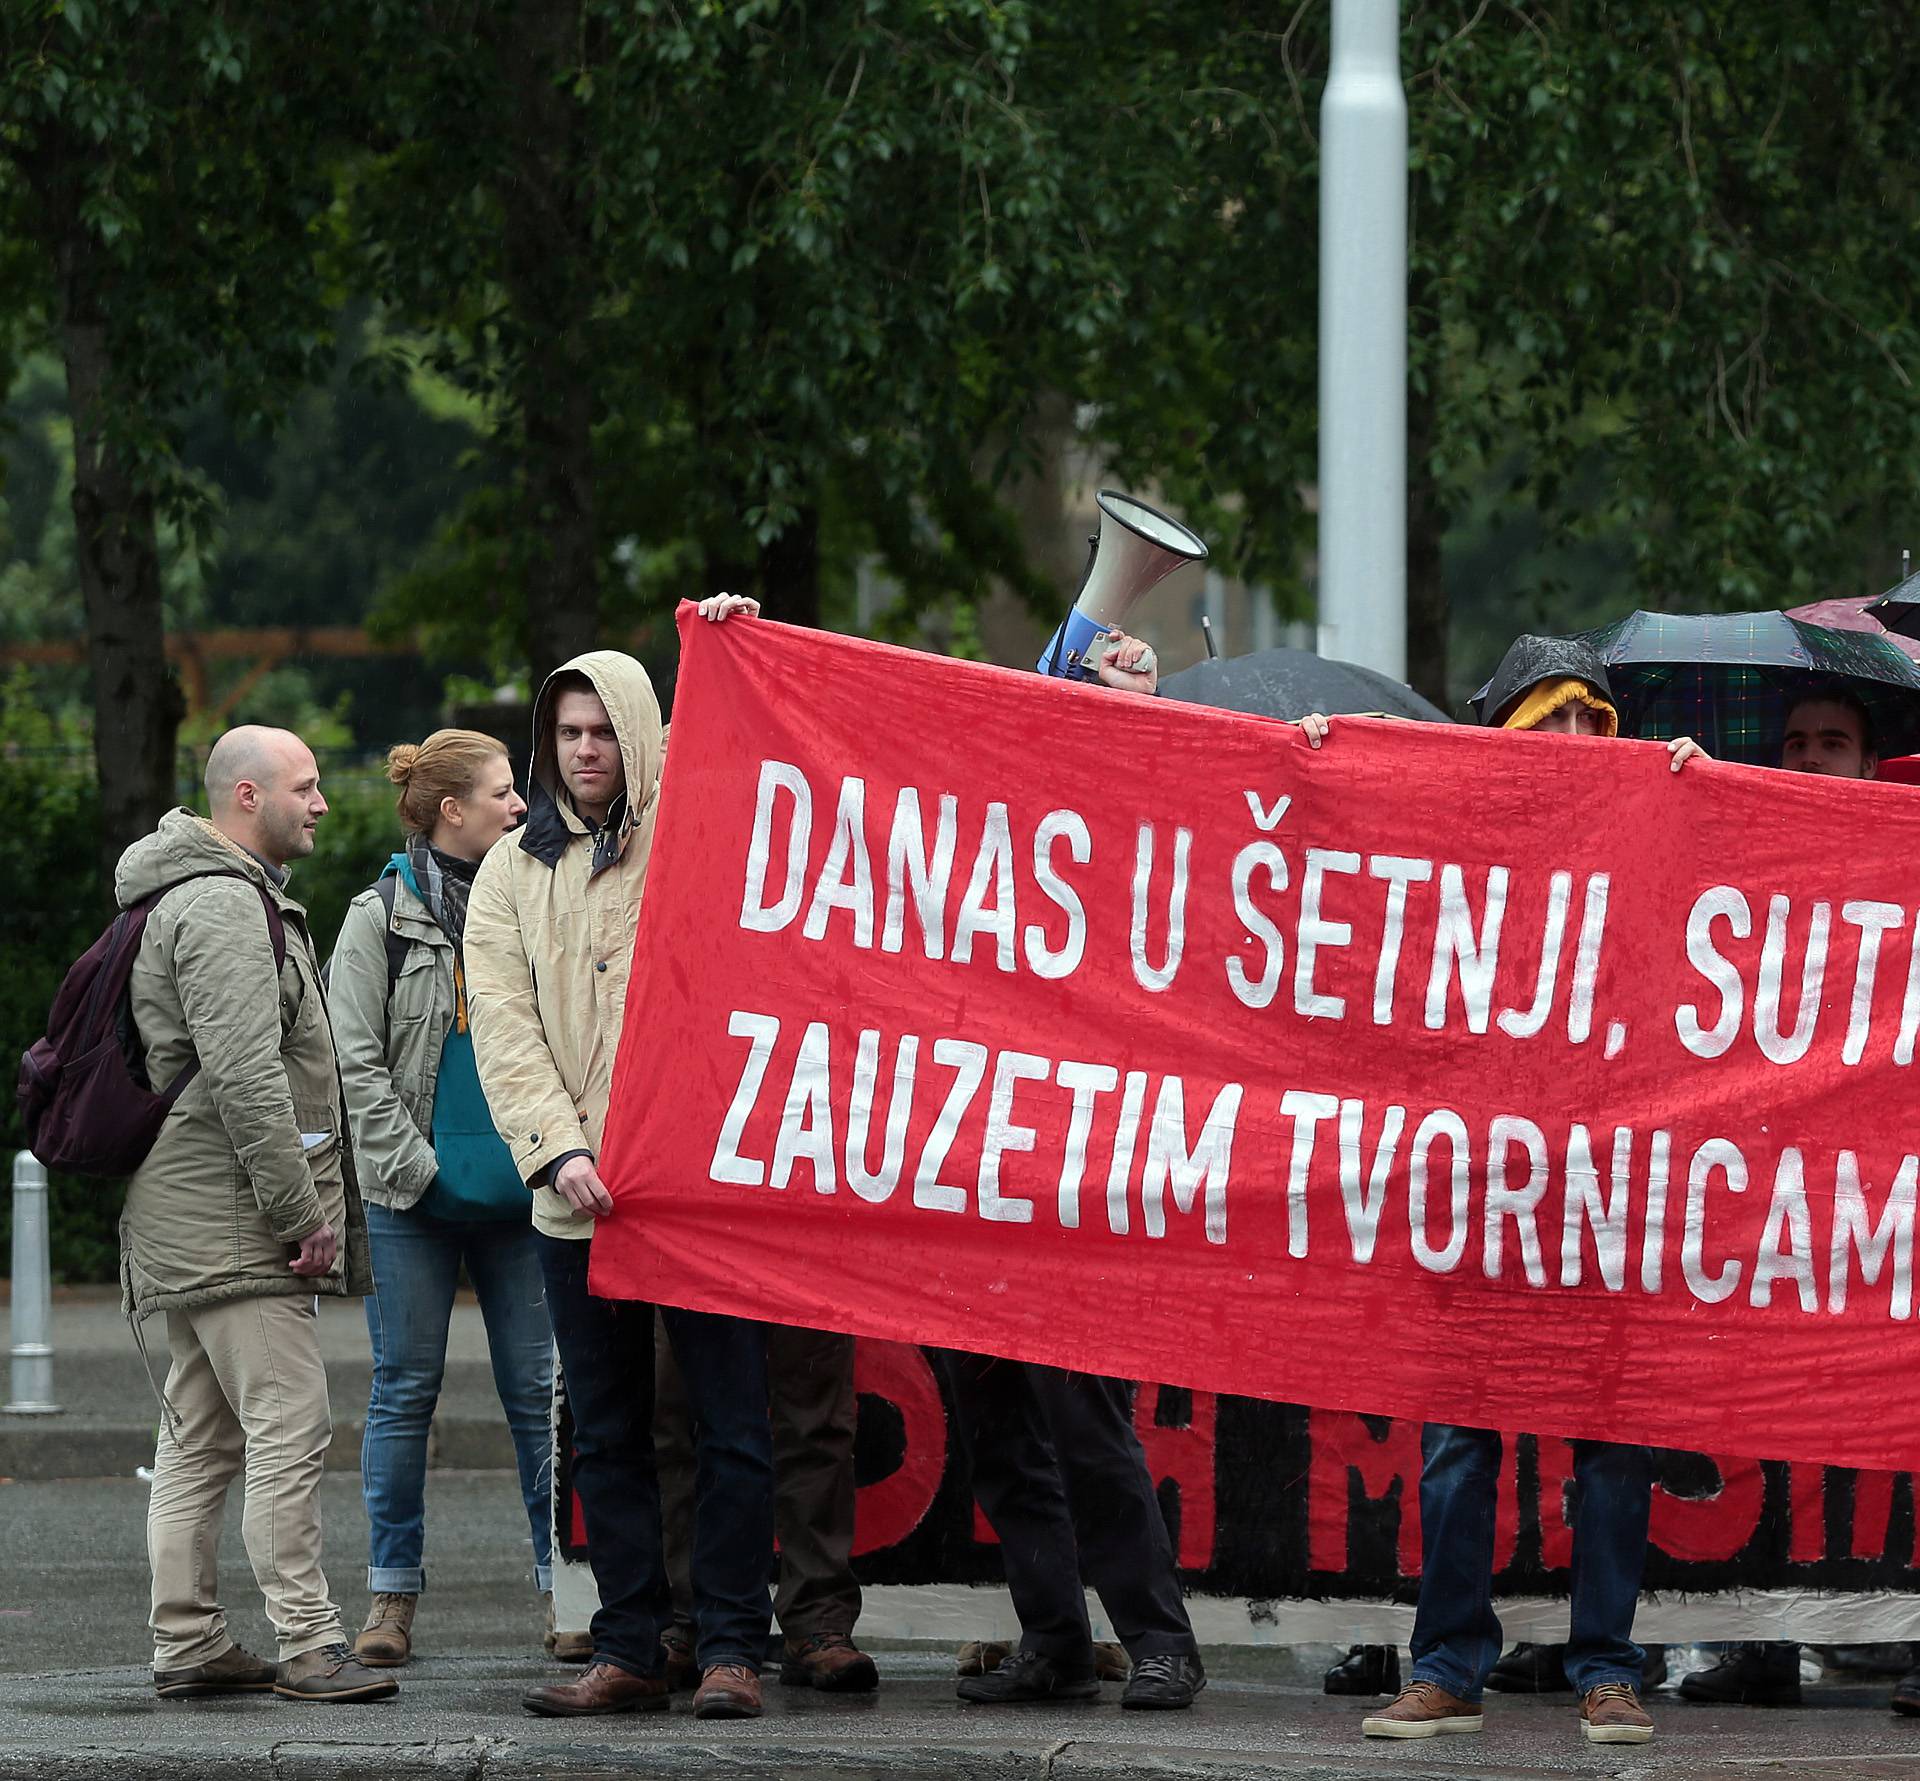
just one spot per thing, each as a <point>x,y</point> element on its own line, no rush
<point>1728,679</point>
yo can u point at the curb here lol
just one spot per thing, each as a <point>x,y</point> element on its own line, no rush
<point>503,1759</point>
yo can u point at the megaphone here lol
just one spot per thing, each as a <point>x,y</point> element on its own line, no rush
<point>1135,549</point>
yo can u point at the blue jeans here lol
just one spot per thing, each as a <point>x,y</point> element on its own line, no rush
<point>1456,1635</point>
<point>607,1357</point>
<point>416,1267</point>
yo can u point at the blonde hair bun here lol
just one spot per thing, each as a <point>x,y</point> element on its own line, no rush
<point>446,765</point>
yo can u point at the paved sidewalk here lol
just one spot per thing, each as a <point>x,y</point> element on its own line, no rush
<point>109,1414</point>
<point>76,1700</point>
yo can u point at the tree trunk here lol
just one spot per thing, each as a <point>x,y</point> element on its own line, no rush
<point>549,291</point>
<point>790,572</point>
<point>1426,589</point>
<point>137,705</point>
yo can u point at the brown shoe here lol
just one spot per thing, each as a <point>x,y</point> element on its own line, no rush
<point>234,1671</point>
<point>676,1652</point>
<point>727,1691</point>
<point>1612,1714</point>
<point>1111,1662</point>
<point>386,1641</point>
<point>332,1673</point>
<point>830,1661</point>
<point>605,1688</point>
<point>1423,1710</point>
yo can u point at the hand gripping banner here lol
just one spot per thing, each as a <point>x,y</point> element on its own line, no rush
<point>1508,1080</point>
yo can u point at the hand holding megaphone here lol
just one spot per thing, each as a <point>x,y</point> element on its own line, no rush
<point>1136,548</point>
<point>1126,664</point>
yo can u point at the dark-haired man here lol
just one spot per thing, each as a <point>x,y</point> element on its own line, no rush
<point>1828,731</point>
<point>550,931</point>
<point>1831,732</point>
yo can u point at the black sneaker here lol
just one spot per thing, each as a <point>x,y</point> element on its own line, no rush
<point>1531,1669</point>
<point>1167,1679</point>
<point>1031,1676</point>
<point>1753,1675</point>
<point>1366,1669</point>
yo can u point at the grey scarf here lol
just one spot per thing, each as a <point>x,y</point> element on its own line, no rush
<point>445,884</point>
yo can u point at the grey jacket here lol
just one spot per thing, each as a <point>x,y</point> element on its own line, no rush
<point>390,1051</point>
<point>253,1156</point>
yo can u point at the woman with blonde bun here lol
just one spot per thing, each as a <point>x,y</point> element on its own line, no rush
<point>441,1188</point>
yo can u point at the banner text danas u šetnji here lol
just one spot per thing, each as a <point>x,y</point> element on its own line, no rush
<point>1039,1020</point>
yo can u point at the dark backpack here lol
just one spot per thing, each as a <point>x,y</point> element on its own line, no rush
<point>398,945</point>
<point>84,1094</point>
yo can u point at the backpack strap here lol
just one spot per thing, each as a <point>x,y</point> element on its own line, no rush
<point>276,923</point>
<point>398,945</point>
<point>276,934</point>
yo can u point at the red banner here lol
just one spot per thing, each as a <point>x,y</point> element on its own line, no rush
<point>1514,1081</point>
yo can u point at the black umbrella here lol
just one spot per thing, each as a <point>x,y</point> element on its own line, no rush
<point>1289,683</point>
<point>1530,660</point>
<point>1729,679</point>
<point>1899,607</point>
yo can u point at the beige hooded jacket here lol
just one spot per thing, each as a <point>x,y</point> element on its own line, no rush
<point>251,1158</point>
<point>549,940</point>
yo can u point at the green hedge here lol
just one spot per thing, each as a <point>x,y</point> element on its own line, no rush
<point>47,790</point>
<point>54,898</point>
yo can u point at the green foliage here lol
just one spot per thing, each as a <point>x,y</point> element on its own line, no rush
<point>828,261</point>
<point>46,781</point>
<point>1653,298</point>
<point>173,151</point>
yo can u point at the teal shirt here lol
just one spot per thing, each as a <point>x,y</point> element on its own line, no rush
<point>476,1177</point>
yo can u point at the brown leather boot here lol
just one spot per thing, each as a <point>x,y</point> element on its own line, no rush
<point>605,1688</point>
<point>234,1671</point>
<point>727,1691</point>
<point>1423,1710</point>
<point>1612,1714</point>
<point>386,1641</point>
<point>569,1647</point>
<point>331,1673</point>
<point>829,1661</point>
<point>978,1657</point>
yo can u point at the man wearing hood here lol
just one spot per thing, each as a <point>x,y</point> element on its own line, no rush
<point>549,940</point>
<point>242,1212</point>
<point>1543,684</point>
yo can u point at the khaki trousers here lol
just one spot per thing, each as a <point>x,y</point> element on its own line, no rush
<point>249,1394</point>
<point>813,1408</point>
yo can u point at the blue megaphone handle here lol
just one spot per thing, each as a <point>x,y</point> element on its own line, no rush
<point>1065,657</point>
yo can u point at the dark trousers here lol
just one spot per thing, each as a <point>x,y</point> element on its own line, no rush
<point>810,1395</point>
<point>1063,1482</point>
<point>606,1356</point>
<point>1456,1634</point>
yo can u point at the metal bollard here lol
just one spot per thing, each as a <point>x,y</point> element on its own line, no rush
<point>32,1292</point>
